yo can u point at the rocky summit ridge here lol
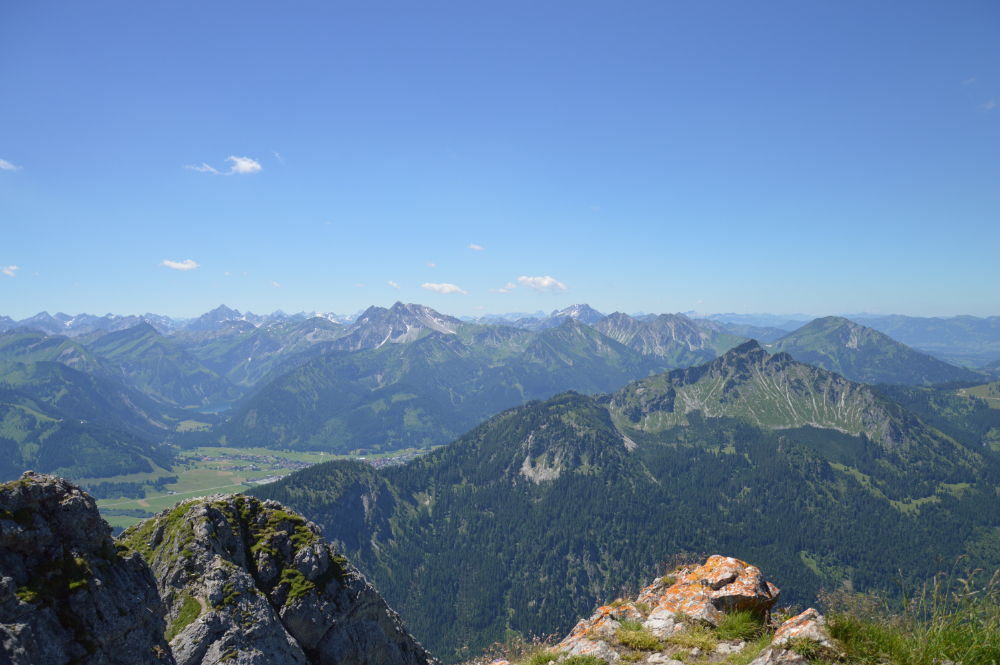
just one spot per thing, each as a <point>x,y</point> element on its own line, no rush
<point>220,579</point>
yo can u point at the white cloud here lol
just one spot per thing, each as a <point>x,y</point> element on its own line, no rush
<point>395,285</point>
<point>475,246</point>
<point>227,272</point>
<point>240,165</point>
<point>278,157</point>
<point>276,285</point>
<point>243,165</point>
<point>9,270</point>
<point>969,82</point>
<point>443,288</point>
<point>988,106</point>
<point>358,284</point>
<point>479,307</point>
<point>506,288</point>
<point>7,166</point>
<point>431,264</point>
<point>542,283</point>
<point>187,264</point>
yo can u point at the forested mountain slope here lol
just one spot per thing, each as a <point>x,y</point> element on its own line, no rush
<point>863,354</point>
<point>429,391</point>
<point>244,353</point>
<point>161,368</point>
<point>80,433</point>
<point>539,513</point>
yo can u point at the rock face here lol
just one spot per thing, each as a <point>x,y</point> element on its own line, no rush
<point>249,582</point>
<point>67,593</point>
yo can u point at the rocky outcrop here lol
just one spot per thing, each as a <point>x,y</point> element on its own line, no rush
<point>68,594</point>
<point>722,584</point>
<point>689,607</point>
<point>246,581</point>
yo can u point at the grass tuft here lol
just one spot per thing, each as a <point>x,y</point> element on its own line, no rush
<point>696,637</point>
<point>954,618</point>
<point>739,626</point>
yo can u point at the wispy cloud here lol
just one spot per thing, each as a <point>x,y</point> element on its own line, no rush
<point>276,285</point>
<point>475,246</point>
<point>506,288</point>
<point>241,165</point>
<point>443,288</point>
<point>431,264</point>
<point>542,283</point>
<point>278,157</point>
<point>395,285</point>
<point>988,106</point>
<point>969,81</point>
<point>227,272</point>
<point>9,270</point>
<point>7,166</point>
<point>187,264</point>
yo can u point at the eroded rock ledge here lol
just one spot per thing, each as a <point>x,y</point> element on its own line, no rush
<point>246,581</point>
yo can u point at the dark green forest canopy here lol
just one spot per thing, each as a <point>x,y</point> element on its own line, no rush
<point>529,520</point>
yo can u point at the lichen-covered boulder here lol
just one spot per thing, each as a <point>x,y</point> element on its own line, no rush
<point>703,594</point>
<point>67,593</point>
<point>588,635</point>
<point>810,625</point>
<point>249,582</point>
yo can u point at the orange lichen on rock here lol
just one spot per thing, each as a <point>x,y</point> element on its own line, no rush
<point>722,584</point>
<point>810,625</point>
<point>584,640</point>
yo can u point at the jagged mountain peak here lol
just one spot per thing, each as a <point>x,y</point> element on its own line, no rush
<point>581,312</point>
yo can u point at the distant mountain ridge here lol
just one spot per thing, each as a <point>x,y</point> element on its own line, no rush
<point>863,354</point>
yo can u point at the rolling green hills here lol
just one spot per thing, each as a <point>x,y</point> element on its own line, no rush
<point>548,508</point>
<point>863,354</point>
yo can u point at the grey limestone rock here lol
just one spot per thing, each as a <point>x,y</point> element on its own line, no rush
<point>249,582</point>
<point>67,593</point>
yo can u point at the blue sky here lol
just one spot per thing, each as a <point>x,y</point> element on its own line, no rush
<point>820,157</point>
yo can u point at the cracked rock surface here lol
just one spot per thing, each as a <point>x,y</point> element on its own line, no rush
<point>249,582</point>
<point>67,593</point>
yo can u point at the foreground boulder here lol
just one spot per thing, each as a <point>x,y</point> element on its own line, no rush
<point>704,594</point>
<point>652,628</point>
<point>67,594</point>
<point>246,581</point>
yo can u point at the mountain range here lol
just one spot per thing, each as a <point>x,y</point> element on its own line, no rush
<point>552,507</point>
<point>405,376</point>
